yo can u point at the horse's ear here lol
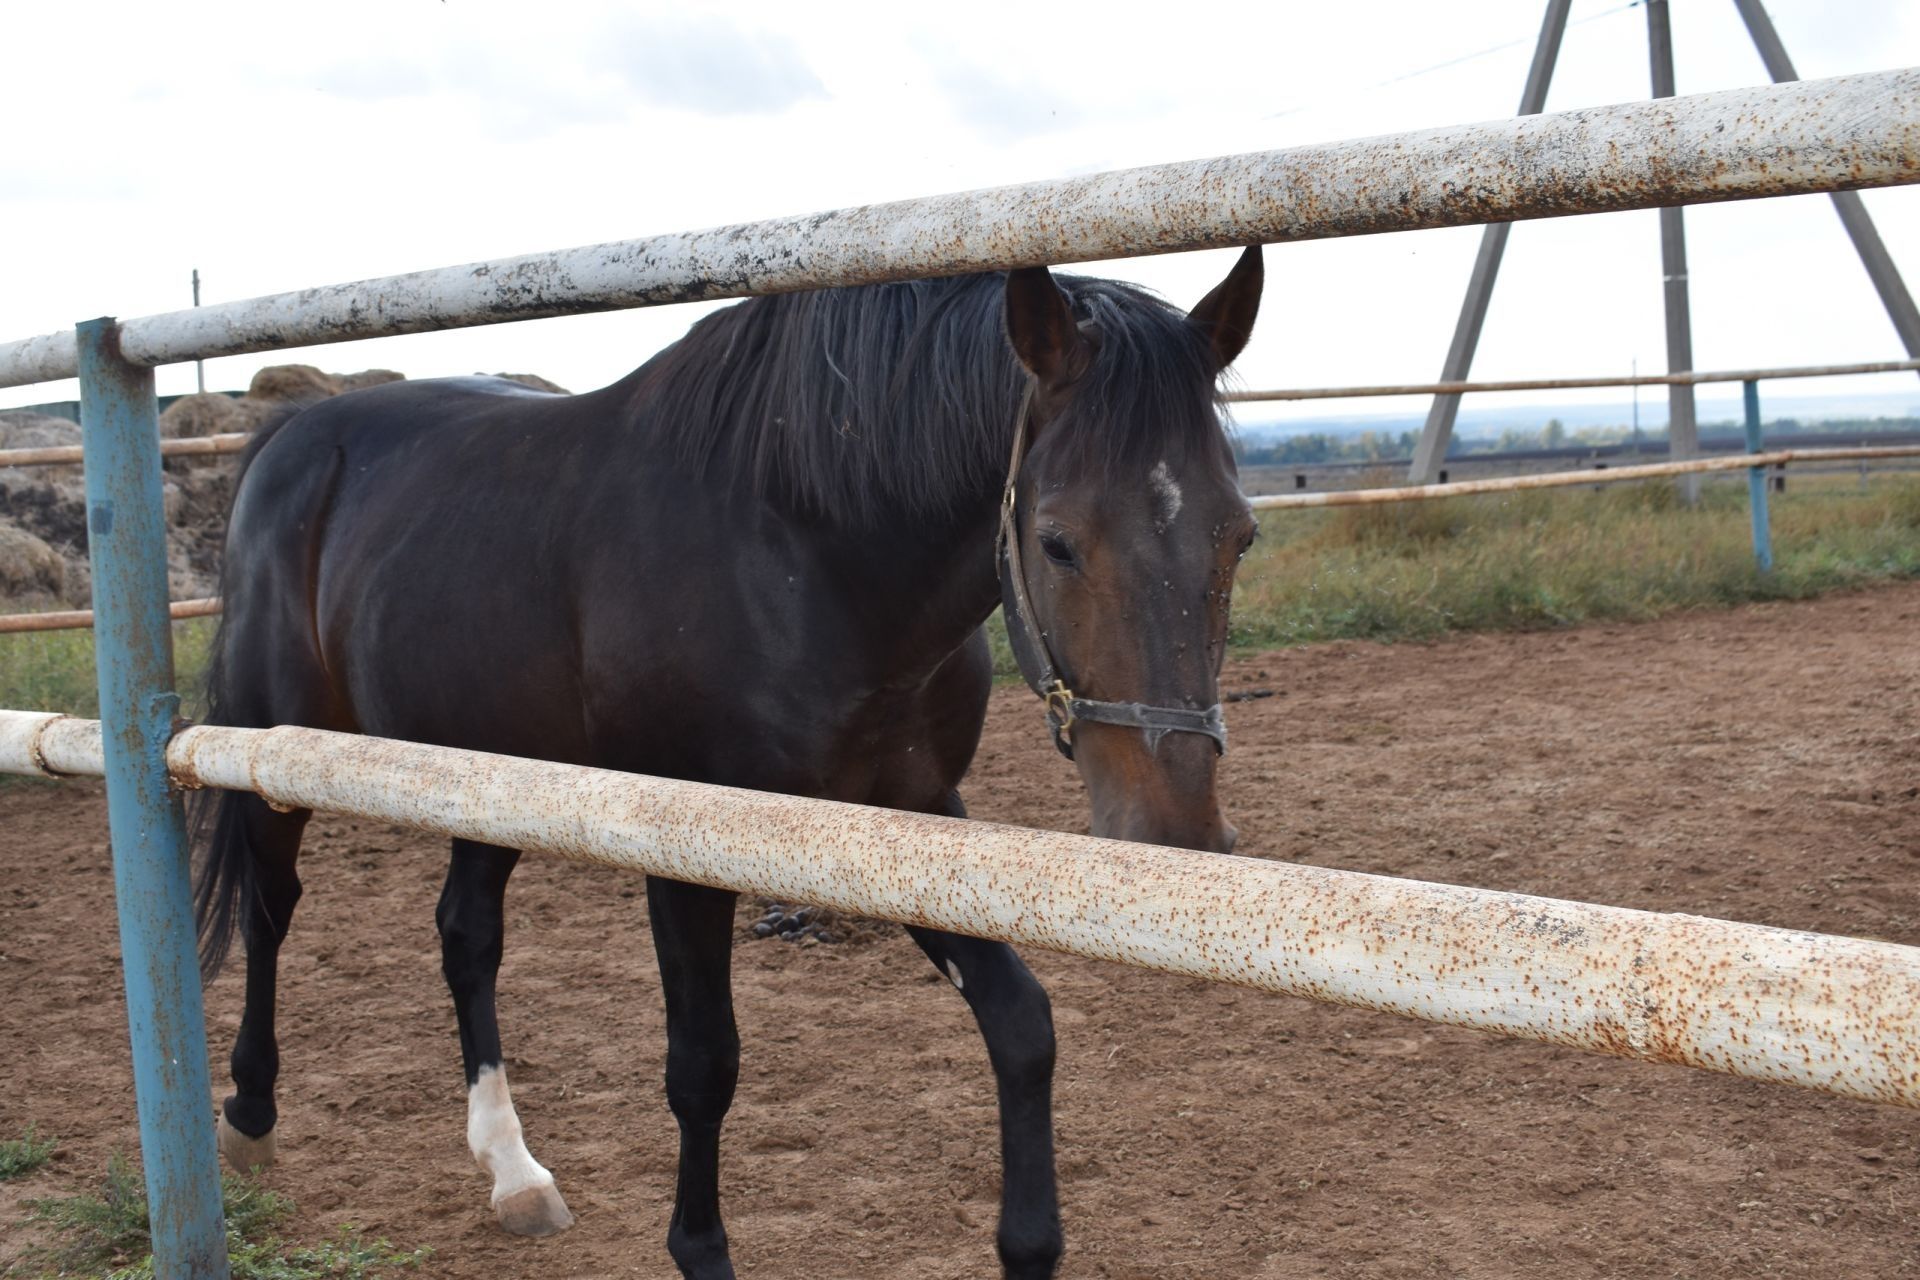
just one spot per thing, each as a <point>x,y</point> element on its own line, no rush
<point>1040,325</point>
<point>1226,315</point>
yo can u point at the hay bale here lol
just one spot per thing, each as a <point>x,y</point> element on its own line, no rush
<point>535,381</point>
<point>205,414</point>
<point>48,502</point>
<point>292,382</point>
<point>30,570</point>
<point>22,430</point>
<point>366,378</point>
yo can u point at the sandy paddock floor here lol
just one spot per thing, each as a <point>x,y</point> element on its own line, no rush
<point>1762,765</point>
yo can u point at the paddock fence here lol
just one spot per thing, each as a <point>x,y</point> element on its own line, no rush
<point>1563,479</point>
<point>82,619</point>
<point>1833,1013</point>
<point>1687,378</point>
<point>57,455</point>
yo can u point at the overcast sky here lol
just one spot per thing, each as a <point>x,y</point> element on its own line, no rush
<point>278,146</point>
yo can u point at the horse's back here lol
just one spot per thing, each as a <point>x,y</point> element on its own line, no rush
<point>358,521</point>
<point>476,565</point>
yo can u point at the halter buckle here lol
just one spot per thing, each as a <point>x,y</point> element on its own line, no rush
<point>1059,700</point>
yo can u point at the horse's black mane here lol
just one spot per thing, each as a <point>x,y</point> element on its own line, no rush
<point>899,398</point>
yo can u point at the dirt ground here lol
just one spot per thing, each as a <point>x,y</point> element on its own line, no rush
<point>1759,765</point>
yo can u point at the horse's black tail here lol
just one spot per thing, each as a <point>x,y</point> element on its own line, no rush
<point>223,883</point>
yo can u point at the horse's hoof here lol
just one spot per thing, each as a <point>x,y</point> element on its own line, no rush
<point>534,1211</point>
<point>242,1153</point>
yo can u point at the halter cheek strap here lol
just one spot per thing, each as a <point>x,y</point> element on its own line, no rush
<point>1064,706</point>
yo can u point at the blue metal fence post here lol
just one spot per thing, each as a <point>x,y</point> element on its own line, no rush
<point>1757,483</point>
<point>126,531</point>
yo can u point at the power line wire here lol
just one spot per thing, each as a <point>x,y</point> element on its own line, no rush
<point>1456,61</point>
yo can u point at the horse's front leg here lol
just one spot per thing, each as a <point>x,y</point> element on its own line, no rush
<point>472,926</point>
<point>693,937</point>
<point>1017,1023</point>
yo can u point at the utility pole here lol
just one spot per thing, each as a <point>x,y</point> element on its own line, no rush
<point>1438,431</point>
<point>1683,435</point>
<point>1853,214</point>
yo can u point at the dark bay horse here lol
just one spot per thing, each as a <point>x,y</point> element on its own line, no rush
<point>762,559</point>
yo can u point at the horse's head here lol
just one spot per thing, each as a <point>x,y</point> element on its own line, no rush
<point>1119,547</point>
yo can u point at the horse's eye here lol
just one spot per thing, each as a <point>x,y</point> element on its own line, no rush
<point>1055,548</point>
<point>1246,544</point>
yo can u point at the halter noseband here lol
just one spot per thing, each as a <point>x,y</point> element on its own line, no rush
<point>1064,706</point>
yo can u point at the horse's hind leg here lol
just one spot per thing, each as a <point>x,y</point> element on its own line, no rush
<point>271,840</point>
<point>471,934</point>
<point>693,937</point>
<point>1017,1023</point>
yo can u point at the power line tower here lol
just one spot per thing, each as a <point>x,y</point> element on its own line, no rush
<point>1683,433</point>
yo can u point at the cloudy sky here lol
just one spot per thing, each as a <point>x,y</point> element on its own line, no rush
<point>277,146</point>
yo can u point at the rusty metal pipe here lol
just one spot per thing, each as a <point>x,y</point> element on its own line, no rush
<point>1837,1014</point>
<point>1561,384</point>
<point>1808,135</point>
<point>81,619</point>
<point>191,447</point>
<point>1560,479</point>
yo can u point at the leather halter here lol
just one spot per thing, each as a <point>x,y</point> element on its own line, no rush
<point>1065,707</point>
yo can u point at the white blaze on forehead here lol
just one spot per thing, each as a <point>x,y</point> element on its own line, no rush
<point>1166,493</point>
<point>493,1135</point>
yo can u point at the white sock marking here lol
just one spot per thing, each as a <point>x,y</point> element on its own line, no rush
<point>493,1135</point>
<point>1166,493</point>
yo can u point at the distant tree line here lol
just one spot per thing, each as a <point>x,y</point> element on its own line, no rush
<point>1379,446</point>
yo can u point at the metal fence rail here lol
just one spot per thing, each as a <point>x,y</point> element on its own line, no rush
<point>1834,1014</point>
<point>1809,135</point>
<point>1563,479</point>
<point>1690,378</point>
<point>55,455</point>
<point>81,619</point>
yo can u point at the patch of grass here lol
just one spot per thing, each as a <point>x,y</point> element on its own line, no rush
<point>22,1155</point>
<point>1552,558</point>
<point>106,1235</point>
<point>53,670</point>
<point>1547,559</point>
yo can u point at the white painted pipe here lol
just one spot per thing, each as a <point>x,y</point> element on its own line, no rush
<point>1809,135</point>
<point>1837,1014</point>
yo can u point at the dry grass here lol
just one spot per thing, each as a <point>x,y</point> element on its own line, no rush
<point>53,670</point>
<point>1543,559</point>
<point>1540,558</point>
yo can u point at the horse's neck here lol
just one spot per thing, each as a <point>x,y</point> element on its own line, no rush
<point>922,584</point>
<point>924,592</point>
<point>948,583</point>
